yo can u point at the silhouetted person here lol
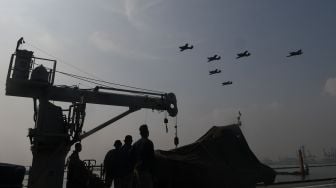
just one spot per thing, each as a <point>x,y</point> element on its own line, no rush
<point>127,163</point>
<point>143,153</point>
<point>112,164</point>
<point>78,175</point>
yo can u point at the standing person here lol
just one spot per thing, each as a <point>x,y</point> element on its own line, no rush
<point>127,163</point>
<point>143,153</point>
<point>112,164</point>
<point>77,175</point>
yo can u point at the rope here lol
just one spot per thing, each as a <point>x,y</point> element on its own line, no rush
<point>106,82</point>
<point>96,78</point>
<point>82,78</point>
<point>61,60</point>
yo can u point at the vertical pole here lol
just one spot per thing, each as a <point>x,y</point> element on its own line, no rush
<point>10,67</point>
<point>101,171</point>
<point>53,73</point>
<point>302,169</point>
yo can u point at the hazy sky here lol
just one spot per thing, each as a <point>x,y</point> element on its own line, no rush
<point>285,102</point>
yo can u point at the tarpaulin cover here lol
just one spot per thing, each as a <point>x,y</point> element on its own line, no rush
<point>220,158</point>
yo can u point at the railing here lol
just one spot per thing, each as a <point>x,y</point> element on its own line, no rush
<point>95,169</point>
<point>23,63</point>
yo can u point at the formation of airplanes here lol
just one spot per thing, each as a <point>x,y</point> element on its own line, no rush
<point>239,55</point>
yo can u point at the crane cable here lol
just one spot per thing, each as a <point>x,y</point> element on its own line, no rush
<point>81,78</point>
<point>88,79</point>
<point>96,81</point>
<point>61,60</point>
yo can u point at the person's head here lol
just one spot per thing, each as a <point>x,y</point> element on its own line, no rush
<point>144,131</point>
<point>117,144</point>
<point>128,140</point>
<point>78,147</point>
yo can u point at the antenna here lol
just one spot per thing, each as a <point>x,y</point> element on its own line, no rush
<point>238,118</point>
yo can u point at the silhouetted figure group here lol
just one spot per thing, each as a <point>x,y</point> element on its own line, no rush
<point>131,165</point>
<point>127,165</point>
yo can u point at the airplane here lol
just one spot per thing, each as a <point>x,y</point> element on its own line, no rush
<point>227,83</point>
<point>244,54</point>
<point>216,71</point>
<point>214,58</point>
<point>186,47</point>
<point>294,53</point>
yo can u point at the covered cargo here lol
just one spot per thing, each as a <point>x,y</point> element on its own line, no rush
<point>220,158</point>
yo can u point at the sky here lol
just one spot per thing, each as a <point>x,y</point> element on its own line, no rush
<point>285,102</point>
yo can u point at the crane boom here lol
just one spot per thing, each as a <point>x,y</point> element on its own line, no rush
<point>29,86</point>
<point>32,89</point>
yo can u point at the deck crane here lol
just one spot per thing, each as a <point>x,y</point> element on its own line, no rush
<point>56,129</point>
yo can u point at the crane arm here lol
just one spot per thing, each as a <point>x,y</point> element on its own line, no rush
<point>31,89</point>
<point>24,81</point>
